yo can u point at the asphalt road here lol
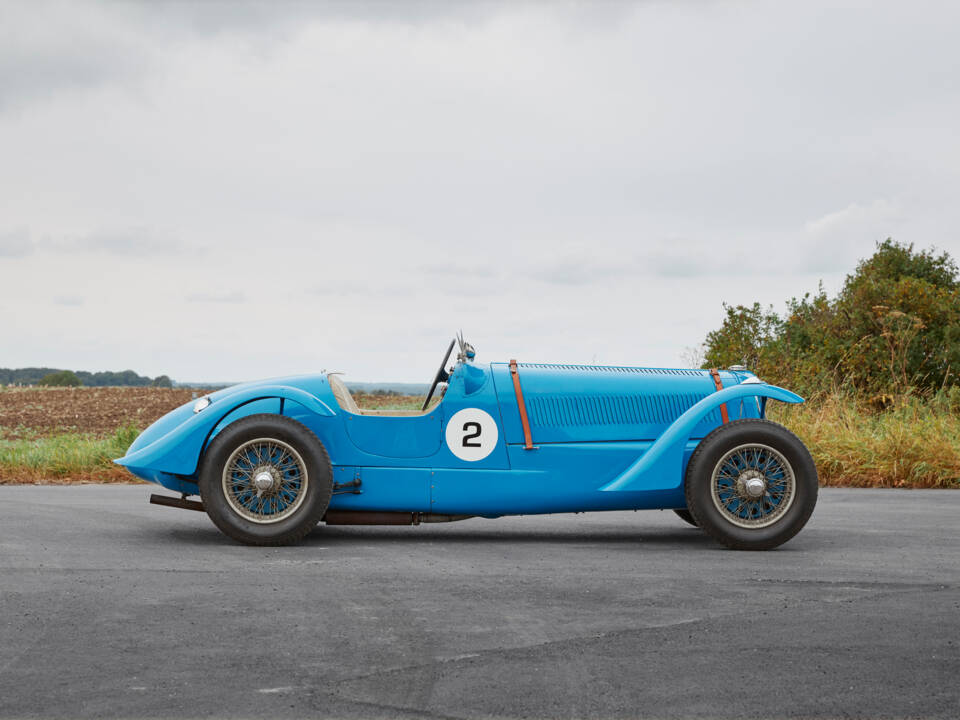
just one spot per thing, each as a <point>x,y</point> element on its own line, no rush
<point>110,607</point>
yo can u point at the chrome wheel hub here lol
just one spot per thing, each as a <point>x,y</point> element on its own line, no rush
<point>264,482</point>
<point>753,486</point>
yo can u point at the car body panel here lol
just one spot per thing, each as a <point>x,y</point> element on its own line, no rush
<point>589,403</point>
<point>382,489</point>
<point>605,438</point>
<point>178,451</point>
<point>551,478</point>
<point>395,437</point>
<point>664,459</point>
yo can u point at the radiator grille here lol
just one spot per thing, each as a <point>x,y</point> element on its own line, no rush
<point>566,410</point>
<point>612,369</point>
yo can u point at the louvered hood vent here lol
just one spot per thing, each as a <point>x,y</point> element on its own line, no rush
<point>589,403</point>
<point>616,370</point>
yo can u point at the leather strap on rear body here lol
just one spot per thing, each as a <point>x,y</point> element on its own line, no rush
<point>521,406</point>
<point>718,383</point>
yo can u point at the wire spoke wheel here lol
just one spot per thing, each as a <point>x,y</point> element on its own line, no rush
<point>265,480</point>
<point>753,486</point>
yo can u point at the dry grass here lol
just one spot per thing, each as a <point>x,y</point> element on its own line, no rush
<point>915,444</point>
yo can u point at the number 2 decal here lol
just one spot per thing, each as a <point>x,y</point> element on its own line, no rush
<point>472,434</point>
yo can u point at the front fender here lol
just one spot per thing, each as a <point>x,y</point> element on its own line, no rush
<point>663,462</point>
<point>178,452</point>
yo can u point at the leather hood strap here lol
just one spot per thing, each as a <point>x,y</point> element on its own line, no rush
<point>718,383</point>
<point>521,406</point>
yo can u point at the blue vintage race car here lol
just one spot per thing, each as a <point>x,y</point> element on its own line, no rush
<point>271,459</point>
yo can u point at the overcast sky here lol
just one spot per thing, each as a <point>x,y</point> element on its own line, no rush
<point>230,191</point>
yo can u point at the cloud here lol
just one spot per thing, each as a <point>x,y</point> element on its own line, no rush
<point>364,290</point>
<point>460,270</point>
<point>36,63</point>
<point>583,268</point>
<point>880,213</point>
<point>135,242</point>
<point>230,297</point>
<point>15,243</point>
<point>68,300</point>
<point>120,43</point>
<point>840,237</point>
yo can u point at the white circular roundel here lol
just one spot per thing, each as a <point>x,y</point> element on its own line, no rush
<point>472,434</point>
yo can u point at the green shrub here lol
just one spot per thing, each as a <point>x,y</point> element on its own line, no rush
<point>893,329</point>
<point>63,378</point>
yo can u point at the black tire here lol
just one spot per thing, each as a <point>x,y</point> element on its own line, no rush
<point>724,525</point>
<point>310,498</point>
<point>686,517</point>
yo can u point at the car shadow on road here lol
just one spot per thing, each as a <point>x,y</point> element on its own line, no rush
<point>467,536</point>
<point>420,535</point>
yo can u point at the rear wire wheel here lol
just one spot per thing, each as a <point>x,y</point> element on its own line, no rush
<point>751,485</point>
<point>685,515</point>
<point>266,480</point>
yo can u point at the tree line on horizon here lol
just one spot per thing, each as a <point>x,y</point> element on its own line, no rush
<point>56,377</point>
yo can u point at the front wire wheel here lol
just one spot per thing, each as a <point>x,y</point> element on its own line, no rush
<point>751,485</point>
<point>266,480</point>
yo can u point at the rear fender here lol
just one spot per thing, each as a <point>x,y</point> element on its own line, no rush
<point>178,452</point>
<point>661,467</point>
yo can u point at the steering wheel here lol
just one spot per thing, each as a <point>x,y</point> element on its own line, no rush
<point>442,376</point>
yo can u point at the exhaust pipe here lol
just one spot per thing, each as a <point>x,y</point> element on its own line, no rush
<point>180,502</point>
<point>358,517</point>
<point>334,517</point>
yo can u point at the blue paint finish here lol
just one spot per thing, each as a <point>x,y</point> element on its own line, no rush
<point>383,489</point>
<point>576,403</point>
<point>474,378</point>
<point>662,464</point>
<point>255,407</point>
<point>553,478</point>
<point>607,437</point>
<point>178,451</point>
<point>182,485</point>
<point>395,437</point>
<point>464,391</point>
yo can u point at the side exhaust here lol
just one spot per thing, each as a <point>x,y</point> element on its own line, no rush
<point>180,502</point>
<point>357,517</point>
<point>334,517</point>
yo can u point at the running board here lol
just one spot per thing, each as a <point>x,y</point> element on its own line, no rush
<point>180,502</point>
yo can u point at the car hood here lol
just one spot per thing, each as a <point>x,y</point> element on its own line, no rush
<point>590,403</point>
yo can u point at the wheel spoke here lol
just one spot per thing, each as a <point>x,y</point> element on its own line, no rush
<point>739,469</point>
<point>265,480</point>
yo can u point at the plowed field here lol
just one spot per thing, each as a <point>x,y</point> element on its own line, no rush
<point>29,412</point>
<point>96,411</point>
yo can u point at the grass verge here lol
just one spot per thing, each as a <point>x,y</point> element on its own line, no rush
<point>915,444</point>
<point>65,458</point>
